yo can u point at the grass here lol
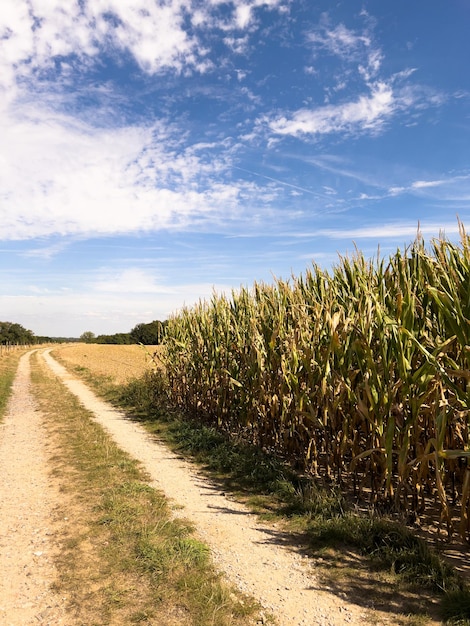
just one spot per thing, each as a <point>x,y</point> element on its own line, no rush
<point>124,559</point>
<point>456,608</point>
<point>8,367</point>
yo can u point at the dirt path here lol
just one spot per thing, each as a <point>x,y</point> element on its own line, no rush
<point>27,515</point>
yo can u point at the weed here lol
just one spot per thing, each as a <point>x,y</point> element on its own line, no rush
<point>389,545</point>
<point>456,608</point>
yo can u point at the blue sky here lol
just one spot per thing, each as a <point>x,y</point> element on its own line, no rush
<point>153,151</point>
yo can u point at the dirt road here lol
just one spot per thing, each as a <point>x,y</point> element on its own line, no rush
<point>257,558</point>
<point>30,504</point>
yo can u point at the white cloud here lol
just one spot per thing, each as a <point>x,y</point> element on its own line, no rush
<point>244,10</point>
<point>35,33</point>
<point>74,175</point>
<point>422,184</point>
<point>62,176</point>
<point>240,17</point>
<point>360,61</point>
<point>46,252</point>
<point>391,230</point>
<point>310,70</point>
<point>139,283</point>
<point>340,41</point>
<point>129,281</point>
<point>452,188</point>
<point>243,15</point>
<point>365,196</point>
<point>351,47</point>
<point>238,45</point>
<point>367,113</point>
<point>395,191</point>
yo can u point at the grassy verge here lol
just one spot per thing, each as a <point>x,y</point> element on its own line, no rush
<point>123,559</point>
<point>8,367</point>
<point>369,558</point>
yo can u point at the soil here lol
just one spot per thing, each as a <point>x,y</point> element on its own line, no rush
<point>30,506</point>
<point>259,558</point>
<point>119,363</point>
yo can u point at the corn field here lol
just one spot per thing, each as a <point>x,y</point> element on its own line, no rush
<point>360,375</point>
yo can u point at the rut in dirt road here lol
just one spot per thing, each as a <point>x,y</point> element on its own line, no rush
<point>27,513</point>
<point>251,555</point>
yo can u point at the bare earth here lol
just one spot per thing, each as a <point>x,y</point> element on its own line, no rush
<point>27,515</point>
<point>256,557</point>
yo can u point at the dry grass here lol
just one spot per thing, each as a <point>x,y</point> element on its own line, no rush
<point>119,363</point>
<point>8,366</point>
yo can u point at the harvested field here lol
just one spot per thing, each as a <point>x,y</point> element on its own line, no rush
<point>120,363</point>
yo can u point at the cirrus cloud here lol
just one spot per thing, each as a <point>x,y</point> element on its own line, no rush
<point>367,113</point>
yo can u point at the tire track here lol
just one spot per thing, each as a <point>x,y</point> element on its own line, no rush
<point>28,508</point>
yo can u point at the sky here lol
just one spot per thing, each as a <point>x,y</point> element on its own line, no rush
<point>153,152</point>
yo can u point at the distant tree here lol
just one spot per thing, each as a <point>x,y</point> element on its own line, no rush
<point>44,339</point>
<point>149,334</point>
<point>15,333</point>
<point>118,338</point>
<point>87,337</point>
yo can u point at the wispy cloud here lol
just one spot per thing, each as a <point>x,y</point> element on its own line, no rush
<point>368,113</point>
<point>343,167</point>
<point>422,184</point>
<point>451,188</point>
<point>392,230</point>
<point>46,252</point>
<point>343,42</point>
<point>379,98</point>
<point>63,176</point>
<point>64,165</point>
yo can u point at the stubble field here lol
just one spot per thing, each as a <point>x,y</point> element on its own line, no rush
<point>120,363</point>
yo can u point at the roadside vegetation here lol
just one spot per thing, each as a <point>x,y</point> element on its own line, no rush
<point>123,558</point>
<point>8,366</point>
<point>12,333</point>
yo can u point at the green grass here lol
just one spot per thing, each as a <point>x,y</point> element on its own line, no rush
<point>391,546</point>
<point>456,608</point>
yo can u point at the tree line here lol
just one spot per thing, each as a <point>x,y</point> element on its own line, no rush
<point>12,333</point>
<point>150,334</point>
